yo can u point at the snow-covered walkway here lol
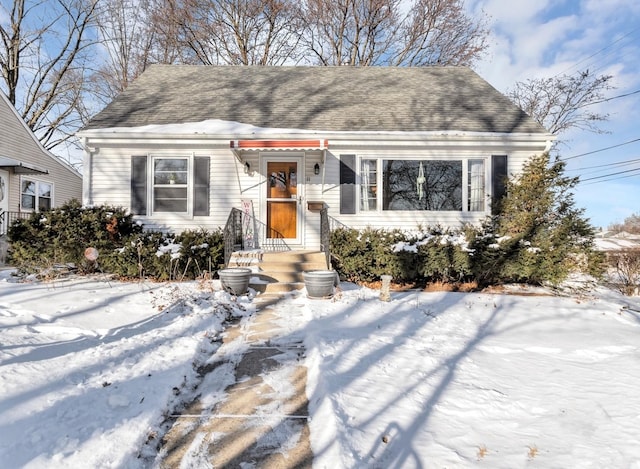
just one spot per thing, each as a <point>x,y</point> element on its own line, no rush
<point>90,370</point>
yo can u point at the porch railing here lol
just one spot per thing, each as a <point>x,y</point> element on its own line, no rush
<point>7,218</point>
<point>232,234</point>
<point>325,235</point>
<point>243,231</point>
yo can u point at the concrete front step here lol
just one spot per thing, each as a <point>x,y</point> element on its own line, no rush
<point>271,276</point>
<point>278,271</point>
<point>294,257</point>
<point>276,288</point>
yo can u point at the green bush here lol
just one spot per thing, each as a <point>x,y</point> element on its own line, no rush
<point>139,257</point>
<point>189,255</point>
<point>365,255</point>
<point>200,251</point>
<point>443,257</point>
<point>61,236</point>
<point>538,236</point>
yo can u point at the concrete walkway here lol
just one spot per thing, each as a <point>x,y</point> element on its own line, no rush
<point>262,420</point>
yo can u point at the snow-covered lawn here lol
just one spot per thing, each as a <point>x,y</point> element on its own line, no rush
<point>88,369</point>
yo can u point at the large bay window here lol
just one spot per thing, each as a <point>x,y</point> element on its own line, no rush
<point>427,184</point>
<point>35,195</point>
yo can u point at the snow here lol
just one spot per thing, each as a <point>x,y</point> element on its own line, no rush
<point>234,129</point>
<point>615,244</point>
<point>89,368</point>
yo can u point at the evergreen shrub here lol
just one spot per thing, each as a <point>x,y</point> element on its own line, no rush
<point>443,256</point>
<point>61,236</point>
<point>365,255</point>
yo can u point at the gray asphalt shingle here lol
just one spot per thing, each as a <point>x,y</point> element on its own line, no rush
<point>318,98</point>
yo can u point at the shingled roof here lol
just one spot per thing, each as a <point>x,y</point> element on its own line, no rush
<point>317,98</point>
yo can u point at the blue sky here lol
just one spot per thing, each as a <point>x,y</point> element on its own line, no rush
<point>544,38</point>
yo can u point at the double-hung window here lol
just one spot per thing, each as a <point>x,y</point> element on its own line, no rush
<point>368,184</point>
<point>35,195</point>
<point>170,185</point>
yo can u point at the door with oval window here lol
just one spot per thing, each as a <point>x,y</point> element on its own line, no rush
<point>283,195</point>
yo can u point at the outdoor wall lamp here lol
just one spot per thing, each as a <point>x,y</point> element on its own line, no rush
<point>247,168</point>
<point>316,169</point>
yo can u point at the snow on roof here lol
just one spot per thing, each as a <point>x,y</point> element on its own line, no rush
<point>221,128</point>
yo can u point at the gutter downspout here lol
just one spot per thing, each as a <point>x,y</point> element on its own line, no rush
<point>87,174</point>
<point>323,160</point>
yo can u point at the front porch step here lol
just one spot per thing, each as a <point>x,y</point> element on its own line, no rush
<point>278,272</point>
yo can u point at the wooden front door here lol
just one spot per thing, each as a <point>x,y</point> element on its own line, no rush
<point>282,199</point>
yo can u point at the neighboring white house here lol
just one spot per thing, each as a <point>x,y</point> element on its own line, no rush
<point>31,178</point>
<point>377,146</point>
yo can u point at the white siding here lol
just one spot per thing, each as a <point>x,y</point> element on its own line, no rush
<point>109,178</point>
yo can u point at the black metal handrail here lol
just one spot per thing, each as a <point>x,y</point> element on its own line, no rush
<point>325,235</point>
<point>232,234</point>
<point>241,227</point>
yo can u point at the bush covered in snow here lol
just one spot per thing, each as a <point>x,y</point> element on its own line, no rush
<point>432,255</point>
<point>62,236</point>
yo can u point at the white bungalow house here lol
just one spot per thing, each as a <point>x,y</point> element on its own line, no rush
<point>31,178</point>
<point>382,147</point>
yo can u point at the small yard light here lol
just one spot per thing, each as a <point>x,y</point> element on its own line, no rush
<point>384,289</point>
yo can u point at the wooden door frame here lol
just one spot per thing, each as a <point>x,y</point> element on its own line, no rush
<point>298,157</point>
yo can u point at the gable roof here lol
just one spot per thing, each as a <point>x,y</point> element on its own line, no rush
<point>318,98</point>
<point>20,149</point>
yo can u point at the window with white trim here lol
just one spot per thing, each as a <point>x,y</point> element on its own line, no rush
<point>476,178</point>
<point>35,195</point>
<point>170,185</point>
<point>368,185</point>
<point>426,185</point>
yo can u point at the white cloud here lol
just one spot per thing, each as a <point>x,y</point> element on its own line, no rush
<point>531,39</point>
<point>604,10</point>
<point>511,11</point>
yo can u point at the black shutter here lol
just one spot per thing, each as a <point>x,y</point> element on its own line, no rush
<point>347,183</point>
<point>139,185</point>
<point>499,177</point>
<point>201,186</point>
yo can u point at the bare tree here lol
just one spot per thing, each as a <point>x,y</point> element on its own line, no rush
<point>439,32</point>
<point>631,224</point>
<point>377,32</point>
<point>348,32</point>
<point>236,32</point>
<point>127,37</point>
<point>43,64</point>
<point>165,25</point>
<point>563,102</point>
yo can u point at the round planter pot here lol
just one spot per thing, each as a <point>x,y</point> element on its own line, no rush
<point>319,283</point>
<point>235,280</point>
